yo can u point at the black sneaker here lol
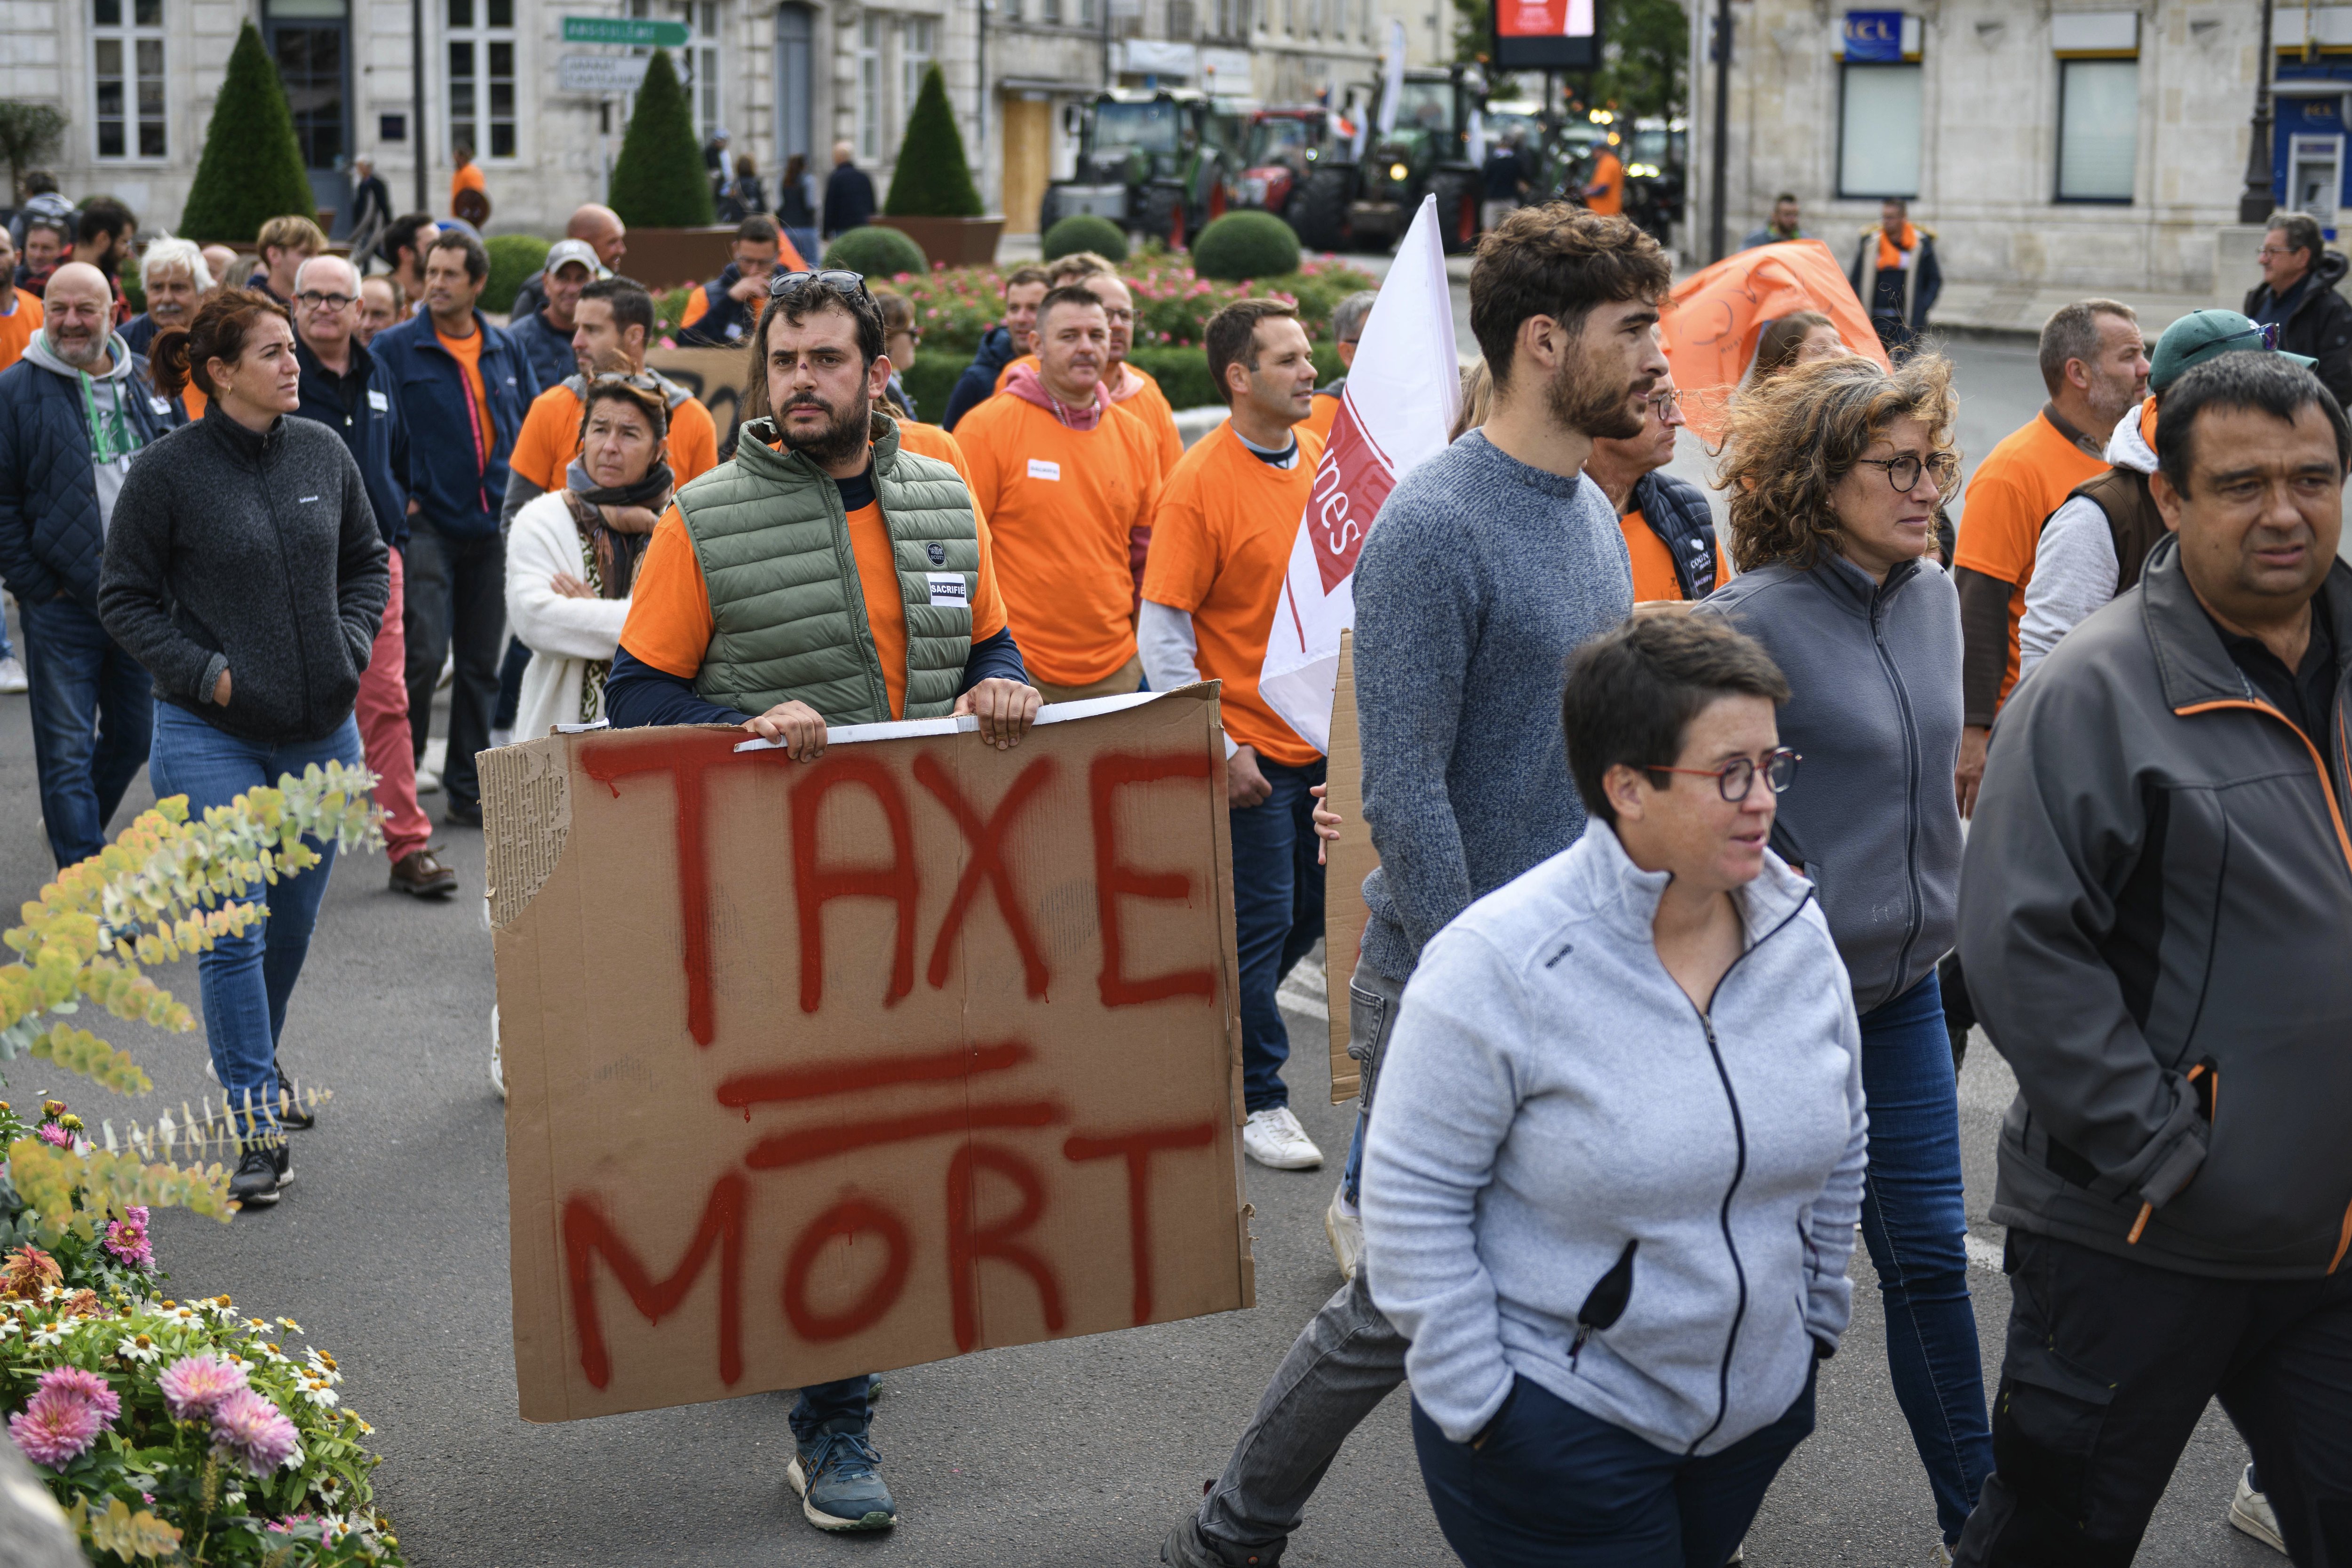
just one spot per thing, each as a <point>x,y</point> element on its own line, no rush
<point>264,1175</point>
<point>462,813</point>
<point>292,1114</point>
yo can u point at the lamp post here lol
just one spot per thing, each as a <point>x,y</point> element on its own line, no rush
<point>2256,205</point>
<point>1717,239</point>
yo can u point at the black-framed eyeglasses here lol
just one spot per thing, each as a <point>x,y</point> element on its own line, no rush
<point>1736,777</point>
<point>1665,405</point>
<point>315,301</point>
<point>830,277</point>
<point>1903,472</point>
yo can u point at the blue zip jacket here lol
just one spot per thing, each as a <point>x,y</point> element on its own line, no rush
<point>50,532</point>
<point>548,351</point>
<point>456,492</point>
<point>374,431</point>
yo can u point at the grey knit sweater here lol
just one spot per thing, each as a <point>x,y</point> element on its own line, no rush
<point>1477,581</point>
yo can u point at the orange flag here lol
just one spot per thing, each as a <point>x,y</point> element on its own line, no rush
<point>1714,317</point>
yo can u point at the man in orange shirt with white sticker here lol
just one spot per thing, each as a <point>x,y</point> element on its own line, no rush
<point>1067,479</point>
<point>1132,389</point>
<point>1220,542</point>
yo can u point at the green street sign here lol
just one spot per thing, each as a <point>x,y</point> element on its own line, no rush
<point>637,32</point>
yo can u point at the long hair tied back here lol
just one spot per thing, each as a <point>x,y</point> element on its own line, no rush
<point>179,354</point>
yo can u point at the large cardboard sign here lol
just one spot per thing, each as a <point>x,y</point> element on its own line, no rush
<point>1348,863</point>
<point>825,1068</point>
<point>714,375</point>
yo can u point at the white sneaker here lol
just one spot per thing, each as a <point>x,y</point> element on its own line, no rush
<point>500,739</point>
<point>498,1065</point>
<point>428,781</point>
<point>1345,1227</point>
<point>2250,1513</point>
<point>1275,1140</point>
<point>12,676</point>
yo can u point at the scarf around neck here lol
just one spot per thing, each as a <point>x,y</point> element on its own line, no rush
<point>1894,249</point>
<point>612,555</point>
<point>1026,384</point>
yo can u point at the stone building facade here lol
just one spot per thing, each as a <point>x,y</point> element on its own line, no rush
<point>2048,143</point>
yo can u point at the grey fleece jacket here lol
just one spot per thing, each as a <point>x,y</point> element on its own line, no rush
<point>1480,578</point>
<point>257,554</point>
<point>1576,1176</point>
<point>1874,677</point>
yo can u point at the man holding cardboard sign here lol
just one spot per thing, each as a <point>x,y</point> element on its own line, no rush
<point>769,639</point>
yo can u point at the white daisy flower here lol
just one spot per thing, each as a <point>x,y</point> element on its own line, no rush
<point>138,1348</point>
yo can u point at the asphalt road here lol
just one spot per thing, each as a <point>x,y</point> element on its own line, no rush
<point>391,1249</point>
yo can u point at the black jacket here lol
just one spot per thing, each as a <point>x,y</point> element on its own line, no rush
<point>977,384</point>
<point>257,554</point>
<point>725,320</point>
<point>848,201</point>
<point>1676,511</point>
<point>2153,903</point>
<point>2320,325</point>
<point>363,408</point>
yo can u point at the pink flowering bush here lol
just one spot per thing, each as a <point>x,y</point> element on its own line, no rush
<point>184,1432</point>
<point>104,1254</point>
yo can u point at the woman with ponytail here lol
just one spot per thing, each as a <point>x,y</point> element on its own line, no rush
<point>243,569</point>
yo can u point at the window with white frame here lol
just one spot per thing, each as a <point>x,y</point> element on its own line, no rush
<point>918,44</point>
<point>1049,11</point>
<point>126,41</point>
<point>481,44</point>
<point>2098,130</point>
<point>699,60</point>
<point>1878,131</point>
<point>1085,13</point>
<point>869,87</point>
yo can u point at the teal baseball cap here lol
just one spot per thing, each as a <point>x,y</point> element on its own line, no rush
<point>2201,335</point>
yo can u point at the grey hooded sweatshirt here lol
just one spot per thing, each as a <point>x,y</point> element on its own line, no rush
<point>1576,1176</point>
<point>115,436</point>
<point>1875,671</point>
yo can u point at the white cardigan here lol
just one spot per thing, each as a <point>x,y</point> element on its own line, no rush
<point>564,636</point>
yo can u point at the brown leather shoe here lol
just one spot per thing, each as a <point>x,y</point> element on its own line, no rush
<point>421,874</point>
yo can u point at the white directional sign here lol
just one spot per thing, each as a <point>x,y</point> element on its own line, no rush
<point>601,73</point>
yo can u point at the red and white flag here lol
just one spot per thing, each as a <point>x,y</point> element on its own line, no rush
<point>1399,402</point>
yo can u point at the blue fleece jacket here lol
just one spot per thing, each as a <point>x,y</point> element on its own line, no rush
<point>1480,577</point>
<point>457,488</point>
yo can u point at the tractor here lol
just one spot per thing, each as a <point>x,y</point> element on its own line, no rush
<point>1280,147</point>
<point>1153,162</point>
<point>1349,201</point>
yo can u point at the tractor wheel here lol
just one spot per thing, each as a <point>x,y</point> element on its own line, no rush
<point>1318,209</point>
<point>1457,210</point>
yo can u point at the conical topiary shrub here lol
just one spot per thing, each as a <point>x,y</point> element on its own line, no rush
<point>932,179</point>
<point>658,181</point>
<point>251,170</point>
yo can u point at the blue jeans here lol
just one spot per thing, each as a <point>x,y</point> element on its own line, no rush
<point>1552,1487</point>
<point>93,712</point>
<point>1916,1225</point>
<point>247,979</point>
<point>1277,917</point>
<point>843,1406</point>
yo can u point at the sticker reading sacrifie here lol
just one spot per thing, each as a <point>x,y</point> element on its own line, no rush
<point>1039,469</point>
<point>949,588</point>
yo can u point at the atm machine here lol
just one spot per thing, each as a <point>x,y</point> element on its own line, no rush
<point>2315,176</point>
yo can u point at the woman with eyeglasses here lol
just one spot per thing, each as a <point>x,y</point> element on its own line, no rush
<point>1836,471</point>
<point>570,567</point>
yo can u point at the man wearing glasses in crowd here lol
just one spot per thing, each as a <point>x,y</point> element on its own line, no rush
<point>345,387</point>
<point>2297,298</point>
<point>1669,529</point>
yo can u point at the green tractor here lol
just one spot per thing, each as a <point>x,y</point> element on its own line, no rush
<point>1350,202</point>
<point>1153,162</point>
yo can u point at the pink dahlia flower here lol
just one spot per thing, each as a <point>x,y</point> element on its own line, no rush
<point>56,1428</point>
<point>127,1239</point>
<point>194,1384</point>
<point>253,1432</point>
<point>73,1382</point>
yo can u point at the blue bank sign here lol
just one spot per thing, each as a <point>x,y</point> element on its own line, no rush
<point>1874,36</point>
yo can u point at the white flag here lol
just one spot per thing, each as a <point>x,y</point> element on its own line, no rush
<point>1399,402</point>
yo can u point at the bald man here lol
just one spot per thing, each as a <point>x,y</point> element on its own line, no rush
<point>73,413</point>
<point>605,235</point>
<point>848,192</point>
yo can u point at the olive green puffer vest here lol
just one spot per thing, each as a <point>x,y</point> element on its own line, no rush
<point>789,615</point>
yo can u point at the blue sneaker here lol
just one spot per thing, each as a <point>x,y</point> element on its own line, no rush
<point>840,1483</point>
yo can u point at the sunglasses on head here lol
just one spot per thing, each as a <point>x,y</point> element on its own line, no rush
<point>831,278</point>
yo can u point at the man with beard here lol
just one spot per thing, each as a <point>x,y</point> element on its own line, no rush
<point>790,665</point>
<point>173,277</point>
<point>1492,561</point>
<point>2095,364</point>
<point>73,413</point>
<point>1068,480</point>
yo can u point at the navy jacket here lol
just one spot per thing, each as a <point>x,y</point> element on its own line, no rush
<point>977,384</point>
<point>548,349</point>
<point>848,199</point>
<point>1677,512</point>
<point>456,491</point>
<point>725,320</point>
<point>374,431</point>
<point>50,536</point>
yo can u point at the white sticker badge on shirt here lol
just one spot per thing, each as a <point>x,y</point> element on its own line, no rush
<point>1039,469</point>
<point>947,588</point>
<point>378,401</point>
<point>162,405</point>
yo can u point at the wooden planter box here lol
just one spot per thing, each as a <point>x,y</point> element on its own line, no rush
<point>668,258</point>
<point>951,241</point>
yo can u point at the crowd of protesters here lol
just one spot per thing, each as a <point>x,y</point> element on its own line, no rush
<point>1659,1001</point>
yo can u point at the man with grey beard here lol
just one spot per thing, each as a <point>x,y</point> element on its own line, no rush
<point>73,413</point>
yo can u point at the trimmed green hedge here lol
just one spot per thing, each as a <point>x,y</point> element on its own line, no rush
<point>658,181</point>
<point>876,251</point>
<point>513,257</point>
<point>251,169</point>
<point>933,178</point>
<point>1241,246</point>
<point>1084,231</point>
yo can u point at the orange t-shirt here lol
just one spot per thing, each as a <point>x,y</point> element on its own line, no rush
<point>17,327</point>
<point>1063,505</point>
<point>1147,402</point>
<point>1653,564</point>
<point>1324,414</point>
<point>550,440</point>
<point>1607,186</point>
<point>931,441</point>
<point>1220,542</point>
<point>671,623</point>
<point>2019,483</point>
<point>192,399</point>
<point>469,178</point>
<point>467,351</point>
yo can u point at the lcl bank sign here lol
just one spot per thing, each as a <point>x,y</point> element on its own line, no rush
<point>1874,36</point>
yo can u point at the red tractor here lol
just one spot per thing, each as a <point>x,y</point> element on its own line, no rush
<point>1280,148</point>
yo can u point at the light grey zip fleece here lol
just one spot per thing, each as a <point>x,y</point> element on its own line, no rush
<point>1554,1110</point>
<point>1876,714</point>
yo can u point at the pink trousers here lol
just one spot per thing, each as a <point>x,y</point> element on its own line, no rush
<point>382,712</point>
